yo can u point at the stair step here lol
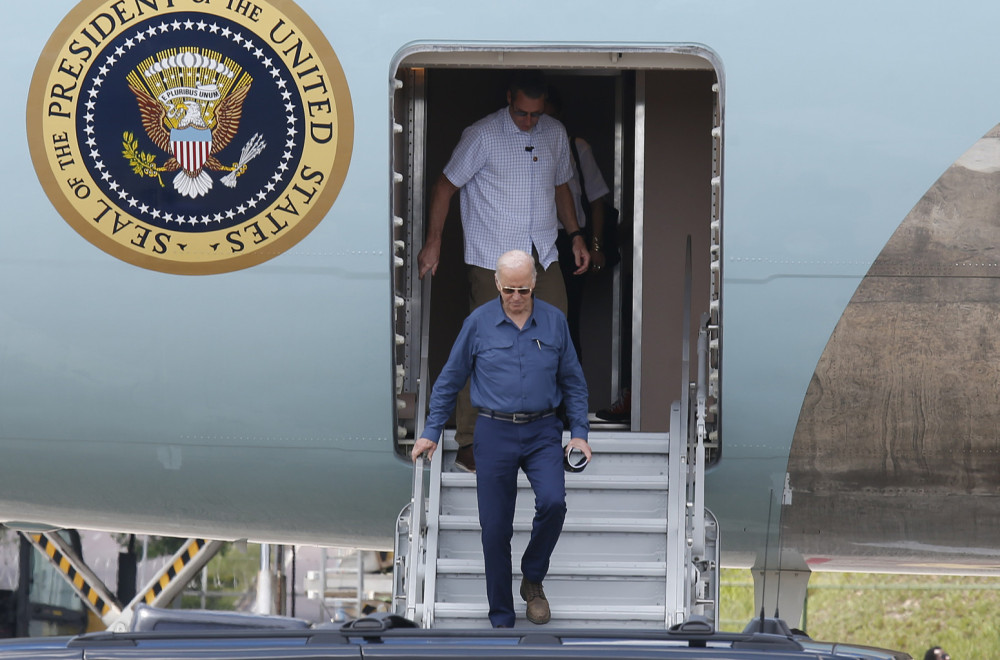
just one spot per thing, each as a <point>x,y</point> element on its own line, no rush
<point>575,569</point>
<point>564,589</point>
<point>595,504</point>
<point>616,459</point>
<point>582,546</point>
<point>601,442</point>
<point>580,481</point>
<point>479,610</point>
<point>572,524</point>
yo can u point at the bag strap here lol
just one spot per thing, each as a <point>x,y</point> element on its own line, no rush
<point>579,175</point>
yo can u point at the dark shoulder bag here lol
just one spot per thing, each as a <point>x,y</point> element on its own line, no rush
<point>609,241</point>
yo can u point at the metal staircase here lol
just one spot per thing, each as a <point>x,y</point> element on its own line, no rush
<point>629,554</point>
<point>638,547</point>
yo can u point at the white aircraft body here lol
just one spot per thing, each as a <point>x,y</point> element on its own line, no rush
<point>210,310</point>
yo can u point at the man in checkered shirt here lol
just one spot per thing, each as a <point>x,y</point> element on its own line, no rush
<point>513,168</point>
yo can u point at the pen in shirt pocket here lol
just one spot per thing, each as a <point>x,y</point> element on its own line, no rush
<point>539,344</point>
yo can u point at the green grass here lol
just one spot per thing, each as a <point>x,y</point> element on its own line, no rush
<point>230,574</point>
<point>906,612</point>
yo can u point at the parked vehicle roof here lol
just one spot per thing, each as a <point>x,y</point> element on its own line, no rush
<point>243,637</point>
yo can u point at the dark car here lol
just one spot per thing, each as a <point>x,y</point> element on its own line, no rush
<point>170,634</point>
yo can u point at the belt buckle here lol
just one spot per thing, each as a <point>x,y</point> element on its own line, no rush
<point>518,418</point>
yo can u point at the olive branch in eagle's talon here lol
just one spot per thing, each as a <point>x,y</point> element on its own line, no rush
<point>142,163</point>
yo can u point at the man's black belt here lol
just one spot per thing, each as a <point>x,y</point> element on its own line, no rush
<point>518,417</point>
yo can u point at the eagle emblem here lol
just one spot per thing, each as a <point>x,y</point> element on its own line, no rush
<point>190,103</point>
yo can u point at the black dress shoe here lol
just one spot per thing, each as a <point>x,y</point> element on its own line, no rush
<point>465,460</point>
<point>620,410</point>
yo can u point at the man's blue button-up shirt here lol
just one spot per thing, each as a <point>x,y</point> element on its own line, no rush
<point>513,369</point>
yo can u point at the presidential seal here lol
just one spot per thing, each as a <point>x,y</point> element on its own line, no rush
<point>190,136</point>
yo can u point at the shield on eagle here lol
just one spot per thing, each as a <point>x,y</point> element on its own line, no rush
<point>191,146</point>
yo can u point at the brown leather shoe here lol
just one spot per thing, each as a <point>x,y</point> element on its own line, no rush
<point>538,606</point>
<point>465,460</point>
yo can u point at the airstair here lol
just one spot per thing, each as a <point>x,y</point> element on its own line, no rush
<point>638,548</point>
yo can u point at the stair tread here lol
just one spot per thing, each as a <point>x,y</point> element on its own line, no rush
<point>576,482</point>
<point>477,610</point>
<point>602,442</point>
<point>572,524</point>
<point>556,568</point>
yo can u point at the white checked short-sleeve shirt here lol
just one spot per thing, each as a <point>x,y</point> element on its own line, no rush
<point>508,177</point>
<point>592,178</point>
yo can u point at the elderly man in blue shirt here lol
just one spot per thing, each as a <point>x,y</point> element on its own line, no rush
<point>522,364</point>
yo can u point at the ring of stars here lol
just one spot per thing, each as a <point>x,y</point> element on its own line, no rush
<point>241,41</point>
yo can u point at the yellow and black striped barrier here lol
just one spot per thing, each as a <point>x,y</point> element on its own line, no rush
<point>84,582</point>
<point>183,557</point>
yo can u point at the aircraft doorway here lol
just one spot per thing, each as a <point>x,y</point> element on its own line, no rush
<point>654,125</point>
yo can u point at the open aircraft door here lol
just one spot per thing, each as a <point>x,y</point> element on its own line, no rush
<point>654,120</point>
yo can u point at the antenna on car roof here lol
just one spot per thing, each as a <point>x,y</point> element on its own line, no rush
<point>767,552</point>
<point>777,593</point>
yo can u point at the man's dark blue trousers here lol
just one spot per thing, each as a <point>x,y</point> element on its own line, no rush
<point>501,448</point>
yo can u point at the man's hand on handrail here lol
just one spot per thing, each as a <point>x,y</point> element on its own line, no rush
<point>421,446</point>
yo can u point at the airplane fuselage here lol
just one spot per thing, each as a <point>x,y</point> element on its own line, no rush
<point>246,385</point>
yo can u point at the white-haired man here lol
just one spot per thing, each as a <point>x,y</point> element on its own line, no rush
<point>522,364</point>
